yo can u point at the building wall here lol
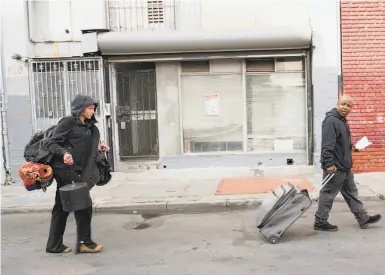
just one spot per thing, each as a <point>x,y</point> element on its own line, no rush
<point>55,26</point>
<point>363,59</point>
<point>38,30</point>
<point>16,80</point>
<point>2,106</point>
<point>52,29</point>
<point>326,63</point>
<point>2,169</point>
<point>323,16</point>
<point>167,77</point>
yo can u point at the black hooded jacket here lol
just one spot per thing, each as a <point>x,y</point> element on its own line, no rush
<point>74,137</point>
<point>336,142</point>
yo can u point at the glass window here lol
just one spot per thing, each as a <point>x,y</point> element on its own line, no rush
<point>276,111</point>
<point>196,66</point>
<point>260,65</point>
<point>285,64</point>
<point>212,112</point>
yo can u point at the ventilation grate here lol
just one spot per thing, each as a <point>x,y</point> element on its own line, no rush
<point>155,11</point>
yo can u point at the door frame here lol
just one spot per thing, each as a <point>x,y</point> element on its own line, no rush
<point>114,123</point>
<point>113,107</point>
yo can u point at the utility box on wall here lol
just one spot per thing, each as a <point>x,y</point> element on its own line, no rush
<point>62,21</point>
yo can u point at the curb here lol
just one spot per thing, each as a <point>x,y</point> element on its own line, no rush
<point>164,208</point>
<point>159,208</point>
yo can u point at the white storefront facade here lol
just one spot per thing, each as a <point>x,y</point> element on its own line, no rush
<point>185,84</point>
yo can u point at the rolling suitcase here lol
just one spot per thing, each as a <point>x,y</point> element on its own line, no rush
<point>282,208</point>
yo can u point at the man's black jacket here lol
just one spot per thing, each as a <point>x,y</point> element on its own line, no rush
<point>336,142</point>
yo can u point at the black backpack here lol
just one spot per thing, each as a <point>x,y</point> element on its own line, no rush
<point>37,150</point>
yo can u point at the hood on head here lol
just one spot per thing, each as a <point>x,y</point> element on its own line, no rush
<point>334,113</point>
<point>80,102</point>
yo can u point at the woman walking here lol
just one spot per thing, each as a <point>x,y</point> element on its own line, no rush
<point>74,144</point>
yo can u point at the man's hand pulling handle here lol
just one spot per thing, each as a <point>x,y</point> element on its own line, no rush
<point>331,169</point>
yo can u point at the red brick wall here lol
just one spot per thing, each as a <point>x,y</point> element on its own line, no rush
<point>363,68</point>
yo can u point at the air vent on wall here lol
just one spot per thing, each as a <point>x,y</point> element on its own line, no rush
<point>155,11</point>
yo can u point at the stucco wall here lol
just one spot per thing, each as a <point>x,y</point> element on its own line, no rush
<point>322,15</point>
<point>16,80</point>
<point>167,79</point>
<point>324,18</point>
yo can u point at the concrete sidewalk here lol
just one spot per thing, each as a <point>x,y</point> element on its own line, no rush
<point>174,191</point>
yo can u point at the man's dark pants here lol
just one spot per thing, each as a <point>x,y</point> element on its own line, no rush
<point>59,217</point>
<point>343,181</point>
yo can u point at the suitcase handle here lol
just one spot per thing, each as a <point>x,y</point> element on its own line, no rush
<point>283,190</point>
<point>323,183</point>
<point>327,178</point>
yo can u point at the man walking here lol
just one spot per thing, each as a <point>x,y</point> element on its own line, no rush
<point>336,157</point>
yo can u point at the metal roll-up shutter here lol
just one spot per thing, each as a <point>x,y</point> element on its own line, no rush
<point>139,43</point>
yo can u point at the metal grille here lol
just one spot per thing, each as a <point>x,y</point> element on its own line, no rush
<point>155,11</point>
<point>136,113</point>
<point>54,84</point>
<point>139,15</point>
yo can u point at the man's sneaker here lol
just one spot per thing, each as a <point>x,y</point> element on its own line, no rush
<point>325,227</point>
<point>371,220</point>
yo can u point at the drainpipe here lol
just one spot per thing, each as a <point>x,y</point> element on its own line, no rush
<point>3,118</point>
<point>340,49</point>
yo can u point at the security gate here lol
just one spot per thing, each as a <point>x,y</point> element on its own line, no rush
<point>54,84</point>
<point>136,113</point>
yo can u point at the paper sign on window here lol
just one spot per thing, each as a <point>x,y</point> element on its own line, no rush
<point>212,104</point>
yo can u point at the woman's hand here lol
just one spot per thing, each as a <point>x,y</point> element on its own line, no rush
<point>68,159</point>
<point>103,147</point>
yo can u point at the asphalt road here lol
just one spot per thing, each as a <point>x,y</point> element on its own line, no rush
<point>225,243</point>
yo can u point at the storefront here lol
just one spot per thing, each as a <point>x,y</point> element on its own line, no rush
<point>209,99</point>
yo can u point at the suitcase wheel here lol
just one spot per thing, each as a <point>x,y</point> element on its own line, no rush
<point>273,239</point>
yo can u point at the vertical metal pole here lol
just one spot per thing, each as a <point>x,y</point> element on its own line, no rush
<point>3,108</point>
<point>340,49</point>
<point>245,107</point>
<point>310,107</point>
<point>115,126</point>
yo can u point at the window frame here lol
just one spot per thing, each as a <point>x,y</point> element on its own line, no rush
<point>305,72</point>
<point>244,73</point>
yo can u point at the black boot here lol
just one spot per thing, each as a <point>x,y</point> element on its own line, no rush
<point>371,220</point>
<point>325,227</point>
<point>63,249</point>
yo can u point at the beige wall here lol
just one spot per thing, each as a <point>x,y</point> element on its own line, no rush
<point>249,14</point>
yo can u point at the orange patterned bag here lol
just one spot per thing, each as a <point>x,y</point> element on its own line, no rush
<point>35,175</point>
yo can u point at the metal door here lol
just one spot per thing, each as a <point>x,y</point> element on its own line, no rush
<point>54,84</point>
<point>136,113</point>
